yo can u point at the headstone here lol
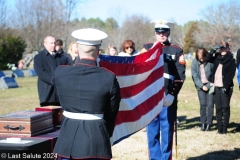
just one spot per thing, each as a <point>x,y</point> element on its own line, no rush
<point>18,73</point>
<point>2,74</point>
<point>8,82</point>
<point>31,73</point>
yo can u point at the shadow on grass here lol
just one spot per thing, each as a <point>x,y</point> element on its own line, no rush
<point>235,126</point>
<point>185,123</point>
<point>220,155</point>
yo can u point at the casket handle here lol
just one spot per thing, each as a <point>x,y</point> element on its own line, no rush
<point>14,127</point>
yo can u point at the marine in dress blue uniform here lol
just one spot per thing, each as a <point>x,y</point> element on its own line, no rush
<point>160,130</point>
<point>90,97</point>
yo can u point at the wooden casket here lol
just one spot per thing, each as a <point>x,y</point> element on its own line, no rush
<point>26,123</point>
<point>56,113</point>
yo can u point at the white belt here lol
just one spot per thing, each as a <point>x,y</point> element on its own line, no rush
<point>82,116</point>
<point>168,76</point>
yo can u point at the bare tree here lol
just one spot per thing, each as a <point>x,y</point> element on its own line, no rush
<point>68,9</point>
<point>177,35</point>
<point>137,28</point>
<point>3,14</point>
<point>36,19</point>
<point>222,24</point>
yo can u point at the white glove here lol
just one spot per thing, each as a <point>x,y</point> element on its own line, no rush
<point>168,100</point>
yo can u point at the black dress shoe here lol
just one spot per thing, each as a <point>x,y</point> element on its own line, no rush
<point>203,127</point>
<point>224,131</point>
<point>220,130</point>
<point>208,127</point>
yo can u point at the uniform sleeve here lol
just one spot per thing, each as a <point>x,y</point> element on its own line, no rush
<point>41,71</point>
<point>111,114</point>
<point>179,76</point>
<point>195,74</point>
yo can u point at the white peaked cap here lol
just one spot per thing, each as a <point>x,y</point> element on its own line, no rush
<point>162,26</point>
<point>89,36</point>
<point>162,23</point>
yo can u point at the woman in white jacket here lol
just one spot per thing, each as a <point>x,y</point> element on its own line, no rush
<point>128,49</point>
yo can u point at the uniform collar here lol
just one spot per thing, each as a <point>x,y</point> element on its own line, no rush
<point>166,43</point>
<point>88,61</point>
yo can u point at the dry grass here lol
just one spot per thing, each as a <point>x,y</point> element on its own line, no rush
<point>193,144</point>
<point>23,98</point>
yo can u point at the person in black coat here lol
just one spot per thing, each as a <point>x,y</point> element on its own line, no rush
<point>222,78</point>
<point>44,64</point>
<point>90,97</point>
<point>59,49</point>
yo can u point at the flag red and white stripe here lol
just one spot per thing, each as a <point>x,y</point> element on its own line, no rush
<point>142,89</point>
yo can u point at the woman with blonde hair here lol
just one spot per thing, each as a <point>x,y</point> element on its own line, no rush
<point>112,50</point>
<point>73,51</point>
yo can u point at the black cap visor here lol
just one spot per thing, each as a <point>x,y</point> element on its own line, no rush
<point>161,30</point>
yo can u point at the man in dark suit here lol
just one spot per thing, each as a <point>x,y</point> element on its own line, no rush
<point>44,64</point>
<point>90,97</point>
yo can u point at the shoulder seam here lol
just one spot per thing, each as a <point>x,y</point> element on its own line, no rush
<point>176,46</point>
<point>108,70</point>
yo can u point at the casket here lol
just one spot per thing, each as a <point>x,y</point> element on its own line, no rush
<point>56,113</point>
<point>26,123</point>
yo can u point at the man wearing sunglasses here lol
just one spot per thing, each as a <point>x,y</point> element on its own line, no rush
<point>160,130</point>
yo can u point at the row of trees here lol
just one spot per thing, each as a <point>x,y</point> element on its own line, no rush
<point>33,20</point>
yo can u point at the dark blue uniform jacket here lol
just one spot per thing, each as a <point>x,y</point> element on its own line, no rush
<point>86,88</point>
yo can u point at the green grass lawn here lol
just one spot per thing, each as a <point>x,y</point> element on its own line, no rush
<point>23,98</point>
<point>193,144</point>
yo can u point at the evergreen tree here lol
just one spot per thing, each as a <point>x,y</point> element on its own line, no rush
<point>190,43</point>
<point>11,50</point>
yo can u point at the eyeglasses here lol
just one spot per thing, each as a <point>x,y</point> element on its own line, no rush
<point>129,47</point>
<point>223,47</point>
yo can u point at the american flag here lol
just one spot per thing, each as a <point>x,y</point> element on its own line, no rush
<point>142,89</point>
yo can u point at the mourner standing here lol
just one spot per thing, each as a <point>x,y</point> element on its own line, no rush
<point>222,79</point>
<point>201,71</point>
<point>44,64</point>
<point>160,130</point>
<point>90,97</point>
<point>59,49</point>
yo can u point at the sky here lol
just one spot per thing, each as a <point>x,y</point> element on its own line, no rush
<point>178,11</point>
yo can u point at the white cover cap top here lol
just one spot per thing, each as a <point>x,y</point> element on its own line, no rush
<point>162,25</point>
<point>89,36</point>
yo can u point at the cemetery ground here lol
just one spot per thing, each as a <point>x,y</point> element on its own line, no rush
<point>192,144</point>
